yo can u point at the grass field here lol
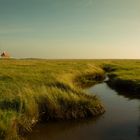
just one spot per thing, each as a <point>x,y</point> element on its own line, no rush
<point>39,89</point>
<point>33,90</point>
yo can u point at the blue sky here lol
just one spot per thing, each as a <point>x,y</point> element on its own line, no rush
<point>70,28</point>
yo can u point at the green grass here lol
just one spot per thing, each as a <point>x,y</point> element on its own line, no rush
<point>33,90</point>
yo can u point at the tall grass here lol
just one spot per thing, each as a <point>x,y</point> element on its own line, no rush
<point>34,90</point>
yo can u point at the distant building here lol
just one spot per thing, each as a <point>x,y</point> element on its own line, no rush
<point>5,55</point>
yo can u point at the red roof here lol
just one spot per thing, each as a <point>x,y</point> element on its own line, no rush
<point>5,54</point>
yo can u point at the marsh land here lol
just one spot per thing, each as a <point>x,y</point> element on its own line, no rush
<point>34,91</point>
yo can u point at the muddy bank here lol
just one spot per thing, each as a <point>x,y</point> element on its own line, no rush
<point>127,88</point>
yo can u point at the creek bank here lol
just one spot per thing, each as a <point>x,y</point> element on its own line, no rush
<point>126,87</point>
<point>87,106</point>
<point>90,79</point>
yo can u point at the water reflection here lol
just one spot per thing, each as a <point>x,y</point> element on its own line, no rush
<point>60,130</point>
<point>127,94</point>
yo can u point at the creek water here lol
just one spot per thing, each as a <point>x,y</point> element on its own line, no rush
<point>121,121</point>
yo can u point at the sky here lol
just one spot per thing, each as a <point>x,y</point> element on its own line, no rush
<point>70,29</point>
